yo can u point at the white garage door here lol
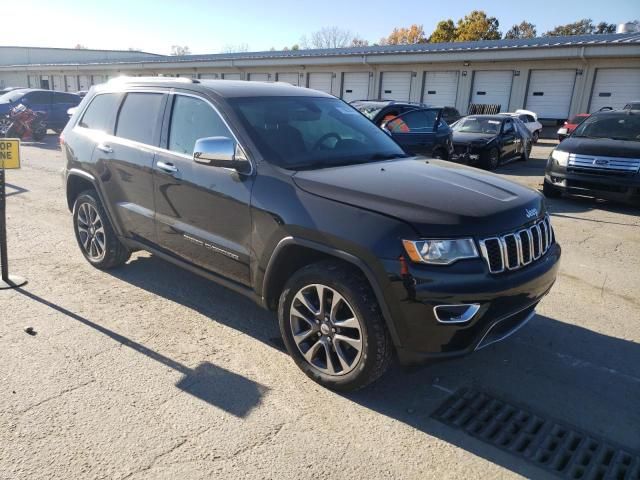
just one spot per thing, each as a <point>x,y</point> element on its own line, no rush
<point>492,88</point>
<point>231,76</point>
<point>321,81</point>
<point>291,78</point>
<point>396,86</point>
<point>71,83</point>
<point>355,86</point>
<point>84,82</point>
<point>57,83</point>
<point>259,77</point>
<point>208,76</point>
<point>34,81</point>
<point>440,88</point>
<point>550,92</point>
<point>615,87</point>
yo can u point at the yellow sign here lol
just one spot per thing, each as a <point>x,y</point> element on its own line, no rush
<point>9,153</point>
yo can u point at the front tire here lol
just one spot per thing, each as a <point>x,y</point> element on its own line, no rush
<point>492,159</point>
<point>536,136</point>
<point>96,238</point>
<point>332,326</point>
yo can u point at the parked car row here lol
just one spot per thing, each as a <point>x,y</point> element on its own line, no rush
<point>52,105</point>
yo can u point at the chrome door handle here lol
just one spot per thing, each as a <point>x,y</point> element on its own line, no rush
<point>167,167</point>
<point>104,148</point>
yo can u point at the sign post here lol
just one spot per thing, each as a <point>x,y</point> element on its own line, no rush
<point>9,159</point>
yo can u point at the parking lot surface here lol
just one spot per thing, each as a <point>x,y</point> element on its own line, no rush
<point>150,372</point>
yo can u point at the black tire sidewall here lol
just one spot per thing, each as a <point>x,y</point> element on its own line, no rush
<point>488,164</point>
<point>361,375</point>
<point>113,248</point>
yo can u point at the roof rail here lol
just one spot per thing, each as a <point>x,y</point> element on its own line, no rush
<point>128,79</point>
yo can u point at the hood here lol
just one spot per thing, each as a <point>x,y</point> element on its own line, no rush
<point>605,147</point>
<point>467,138</point>
<point>436,197</point>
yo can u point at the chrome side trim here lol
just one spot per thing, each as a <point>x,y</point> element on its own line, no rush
<point>469,313</point>
<point>480,345</point>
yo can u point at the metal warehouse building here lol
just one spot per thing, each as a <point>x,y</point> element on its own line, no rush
<point>553,76</point>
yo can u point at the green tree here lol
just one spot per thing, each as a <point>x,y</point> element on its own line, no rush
<point>477,26</point>
<point>523,30</point>
<point>295,46</point>
<point>445,32</point>
<point>581,27</point>
<point>405,36</point>
<point>604,27</point>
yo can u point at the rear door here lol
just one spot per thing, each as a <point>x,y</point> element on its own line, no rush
<point>415,130</point>
<point>202,212</point>
<point>38,101</point>
<point>61,103</point>
<point>126,162</point>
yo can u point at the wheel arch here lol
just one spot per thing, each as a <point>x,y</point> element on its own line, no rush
<point>291,254</point>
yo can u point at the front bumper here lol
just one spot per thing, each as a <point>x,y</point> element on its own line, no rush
<point>624,188</point>
<point>506,302</point>
<point>466,153</point>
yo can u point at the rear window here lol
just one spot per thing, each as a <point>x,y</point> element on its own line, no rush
<point>139,116</point>
<point>101,113</point>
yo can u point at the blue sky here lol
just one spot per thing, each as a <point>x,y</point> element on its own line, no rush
<point>208,26</point>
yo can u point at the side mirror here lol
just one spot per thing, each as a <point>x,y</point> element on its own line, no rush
<point>219,152</point>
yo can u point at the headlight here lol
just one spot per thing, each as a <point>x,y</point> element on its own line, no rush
<point>440,252</point>
<point>561,157</point>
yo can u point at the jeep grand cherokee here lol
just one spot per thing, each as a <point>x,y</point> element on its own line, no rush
<point>293,198</point>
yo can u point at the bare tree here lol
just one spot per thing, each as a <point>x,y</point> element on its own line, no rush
<point>180,50</point>
<point>241,47</point>
<point>328,37</point>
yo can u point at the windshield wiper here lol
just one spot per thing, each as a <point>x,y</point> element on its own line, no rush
<point>388,156</point>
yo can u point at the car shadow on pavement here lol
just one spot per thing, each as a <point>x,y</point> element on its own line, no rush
<point>49,142</point>
<point>557,370</point>
<point>215,385</point>
<point>568,205</point>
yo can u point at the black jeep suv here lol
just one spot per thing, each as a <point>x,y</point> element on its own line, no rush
<point>293,198</point>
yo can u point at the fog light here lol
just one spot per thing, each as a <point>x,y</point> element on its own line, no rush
<point>456,313</point>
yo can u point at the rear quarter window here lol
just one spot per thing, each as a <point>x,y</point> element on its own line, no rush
<point>139,115</point>
<point>101,113</point>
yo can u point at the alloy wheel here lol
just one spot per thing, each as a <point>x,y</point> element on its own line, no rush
<point>326,329</point>
<point>91,232</point>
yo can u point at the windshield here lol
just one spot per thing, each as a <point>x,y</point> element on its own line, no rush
<point>577,119</point>
<point>617,127</point>
<point>12,96</point>
<point>310,132</point>
<point>368,109</point>
<point>477,125</point>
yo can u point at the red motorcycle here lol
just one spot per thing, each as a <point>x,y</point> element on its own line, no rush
<point>22,122</point>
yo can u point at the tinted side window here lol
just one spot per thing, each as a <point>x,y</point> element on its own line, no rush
<point>138,117</point>
<point>192,119</point>
<point>65,98</point>
<point>38,98</point>
<point>417,121</point>
<point>101,113</point>
<point>508,127</point>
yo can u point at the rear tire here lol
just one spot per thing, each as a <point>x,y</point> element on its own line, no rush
<point>96,238</point>
<point>550,191</point>
<point>344,338</point>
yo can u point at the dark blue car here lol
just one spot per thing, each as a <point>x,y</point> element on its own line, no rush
<point>55,104</point>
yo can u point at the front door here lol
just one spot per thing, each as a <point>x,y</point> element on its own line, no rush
<point>415,130</point>
<point>510,139</point>
<point>202,212</point>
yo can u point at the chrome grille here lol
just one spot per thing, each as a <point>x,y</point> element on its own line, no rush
<point>599,164</point>
<point>515,250</point>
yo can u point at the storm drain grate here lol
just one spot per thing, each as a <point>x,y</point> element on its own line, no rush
<point>561,449</point>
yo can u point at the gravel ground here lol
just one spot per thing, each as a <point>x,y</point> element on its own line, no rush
<point>151,372</point>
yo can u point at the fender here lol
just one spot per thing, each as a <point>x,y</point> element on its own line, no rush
<point>76,172</point>
<point>334,252</point>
